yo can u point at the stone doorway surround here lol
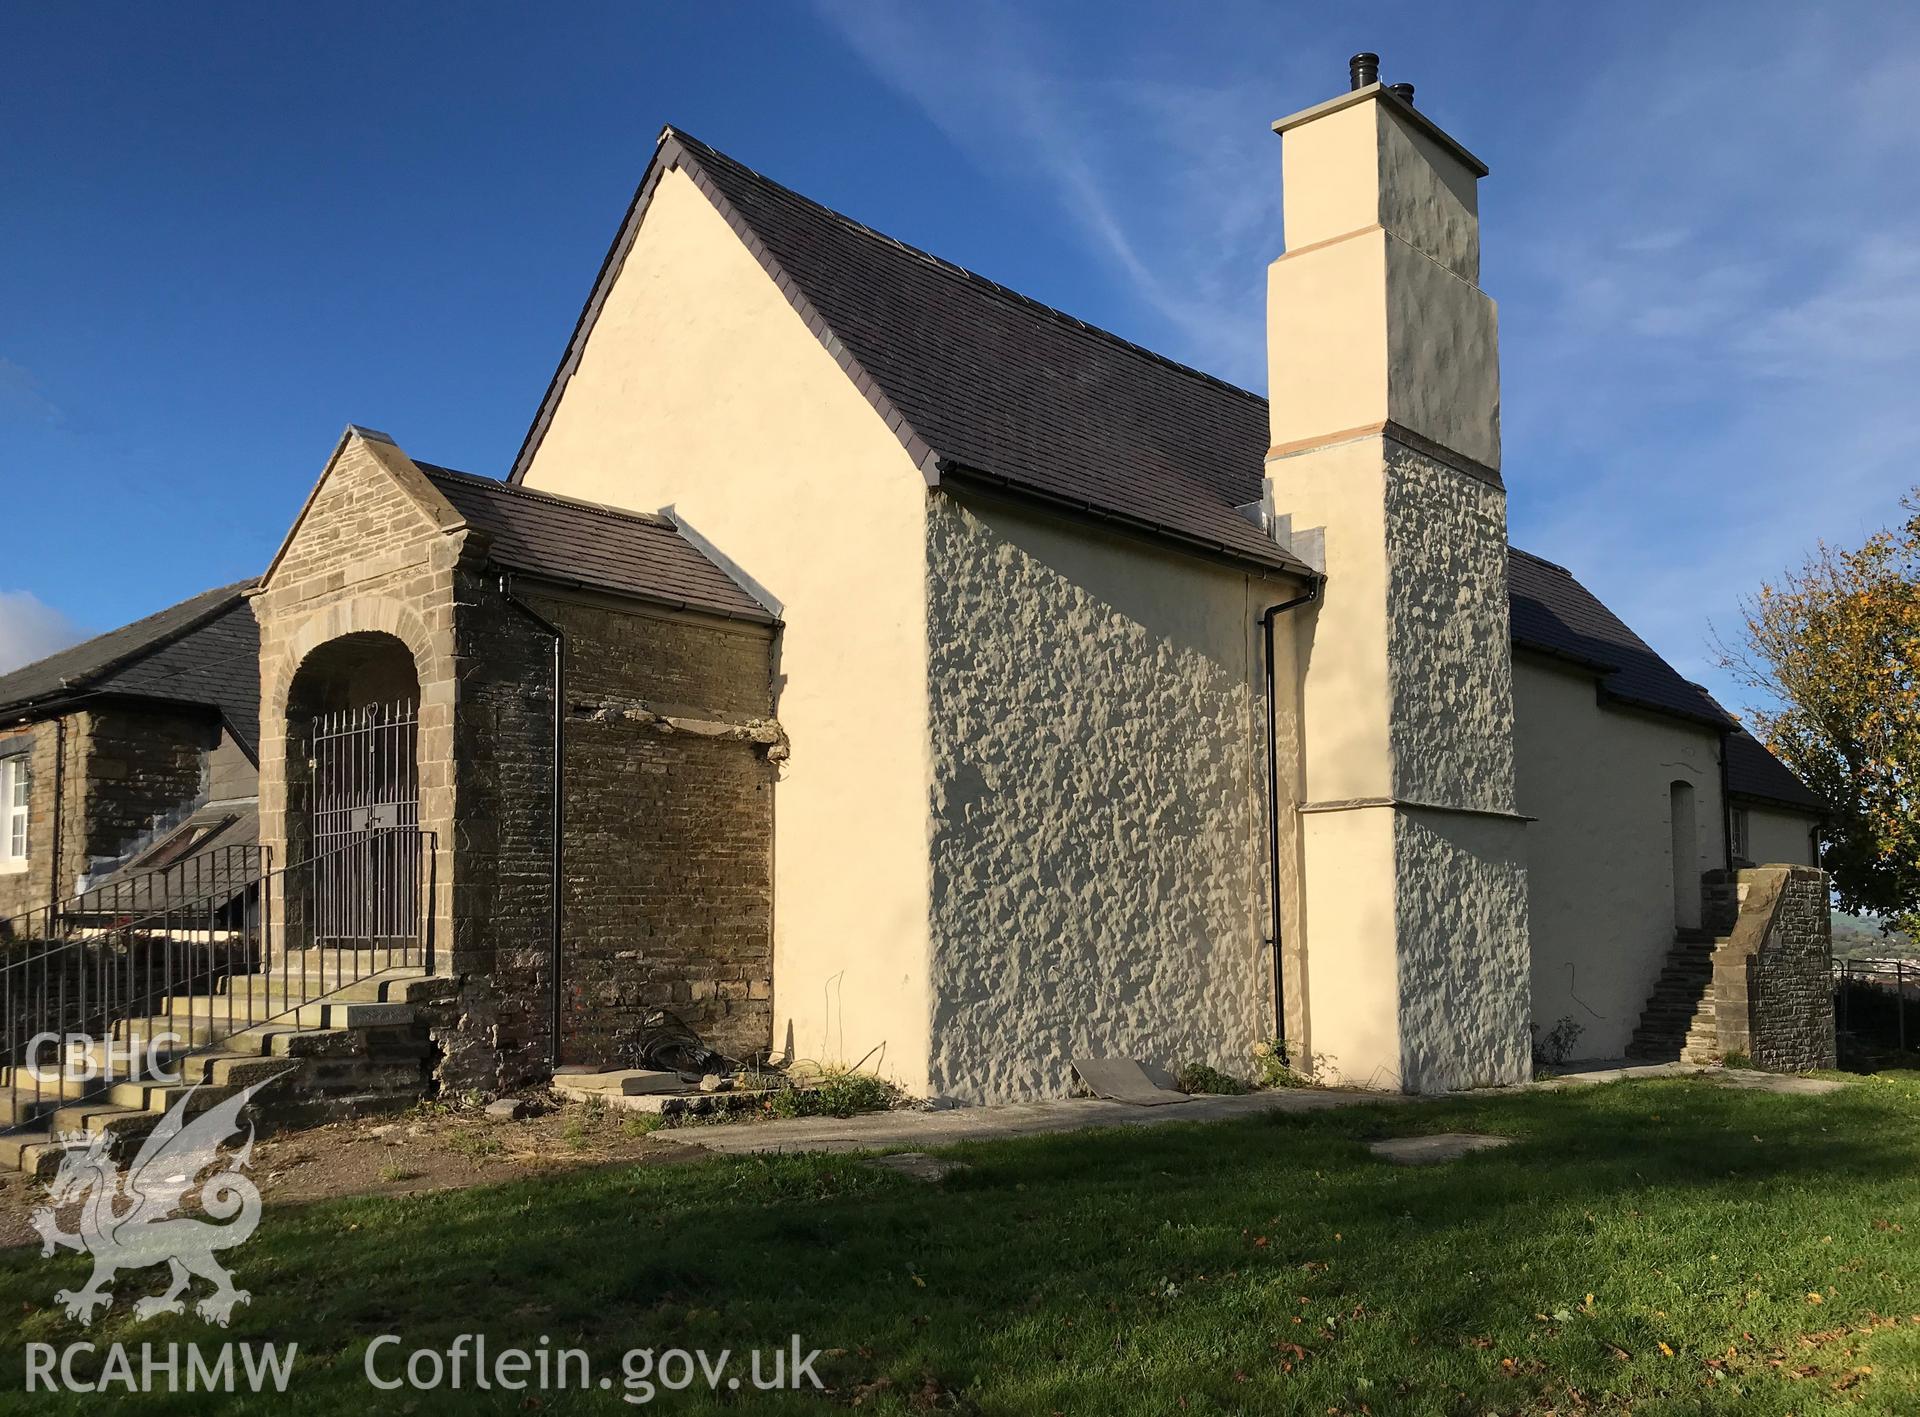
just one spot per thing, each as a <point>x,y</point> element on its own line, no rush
<point>665,850</point>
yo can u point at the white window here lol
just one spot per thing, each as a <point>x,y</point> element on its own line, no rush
<point>16,786</point>
<point>1741,832</point>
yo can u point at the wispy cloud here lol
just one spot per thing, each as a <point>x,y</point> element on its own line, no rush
<point>1708,274</point>
<point>1715,330</point>
<point>1153,172</point>
<point>31,629</point>
<point>21,395</point>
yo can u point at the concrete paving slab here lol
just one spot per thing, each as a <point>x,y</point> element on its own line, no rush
<point>1790,1083</point>
<point>1617,1070</point>
<point>926,1130</point>
<point>1613,1070</point>
<point>1434,1149</point>
<point>918,1165</point>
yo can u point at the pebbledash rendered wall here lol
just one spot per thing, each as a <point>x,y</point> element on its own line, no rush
<point>1098,831</point>
<point>1776,836</point>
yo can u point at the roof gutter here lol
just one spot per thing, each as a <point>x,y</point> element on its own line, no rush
<point>941,471</point>
<point>588,587</point>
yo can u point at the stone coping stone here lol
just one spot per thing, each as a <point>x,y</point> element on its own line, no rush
<point>625,1082</point>
<point>686,1097</point>
<point>1435,1148</point>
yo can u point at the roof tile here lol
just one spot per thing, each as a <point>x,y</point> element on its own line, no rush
<point>627,553</point>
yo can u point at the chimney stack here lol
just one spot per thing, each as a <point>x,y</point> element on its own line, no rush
<point>1384,398</point>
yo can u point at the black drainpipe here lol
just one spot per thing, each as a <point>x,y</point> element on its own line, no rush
<point>559,801</point>
<point>1273,613</point>
<point>54,894</point>
<point>1726,803</point>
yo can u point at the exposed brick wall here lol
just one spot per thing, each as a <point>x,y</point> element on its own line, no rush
<point>1773,977</point>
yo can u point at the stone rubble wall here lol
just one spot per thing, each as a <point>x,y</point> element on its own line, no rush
<point>668,804</point>
<point>671,755</point>
<point>127,765</point>
<point>1773,975</point>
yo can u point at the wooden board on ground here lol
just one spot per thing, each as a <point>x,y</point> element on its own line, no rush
<point>1123,1080</point>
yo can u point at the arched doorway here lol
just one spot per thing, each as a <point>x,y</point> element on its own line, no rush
<point>353,797</point>
<point>1686,855</point>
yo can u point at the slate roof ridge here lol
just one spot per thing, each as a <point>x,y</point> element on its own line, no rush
<point>515,489</point>
<point>705,152</point>
<point>1541,560</point>
<point>145,638</point>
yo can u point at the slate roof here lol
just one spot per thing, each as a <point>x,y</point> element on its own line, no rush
<point>582,543</point>
<point>1754,772</point>
<point>997,387</point>
<point>1554,614</point>
<point>204,651</point>
<point>994,385</point>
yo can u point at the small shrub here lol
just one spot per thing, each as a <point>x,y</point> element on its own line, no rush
<point>836,1094</point>
<point>1555,1046</point>
<point>1200,1078</point>
<point>474,1144</point>
<point>1737,1060</point>
<point>392,1173</point>
<point>640,1123</point>
<point>1274,1066</point>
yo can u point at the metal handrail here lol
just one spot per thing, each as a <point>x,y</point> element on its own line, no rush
<point>196,876</point>
<point>97,986</point>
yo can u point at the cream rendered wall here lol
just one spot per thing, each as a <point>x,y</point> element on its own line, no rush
<point>1099,837</point>
<point>702,393</point>
<point>1779,838</point>
<point>1601,909</point>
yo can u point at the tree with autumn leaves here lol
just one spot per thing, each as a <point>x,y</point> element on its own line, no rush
<point>1834,645</point>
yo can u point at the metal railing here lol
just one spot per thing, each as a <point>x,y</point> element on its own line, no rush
<point>124,1000</point>
<point>1872,998</point>
<point>216,870</point>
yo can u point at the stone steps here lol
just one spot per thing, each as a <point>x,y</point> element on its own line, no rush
<point>354,1051</point>
<point>1678,1021</point>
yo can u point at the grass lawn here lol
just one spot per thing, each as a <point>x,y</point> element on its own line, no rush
<point>1673,1246</point>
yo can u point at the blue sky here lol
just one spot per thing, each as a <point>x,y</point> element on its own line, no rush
<point>231,229</point>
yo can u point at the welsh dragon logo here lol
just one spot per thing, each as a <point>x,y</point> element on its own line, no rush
<point>129,1218</point>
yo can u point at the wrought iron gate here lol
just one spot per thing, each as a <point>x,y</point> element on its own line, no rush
<point>364,807</point>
